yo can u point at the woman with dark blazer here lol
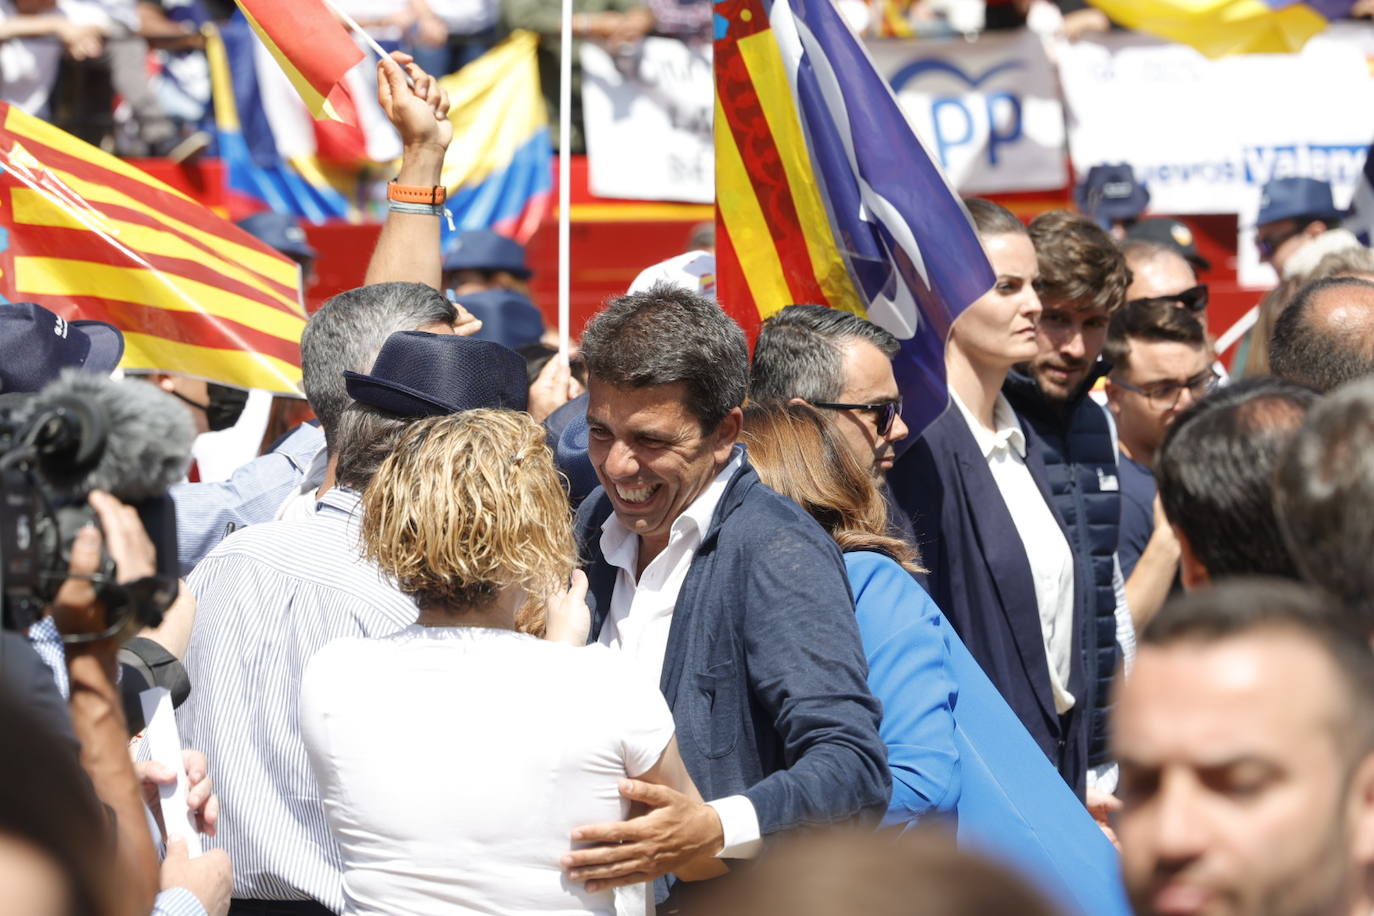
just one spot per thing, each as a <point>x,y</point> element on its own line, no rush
<point>1000,564</point>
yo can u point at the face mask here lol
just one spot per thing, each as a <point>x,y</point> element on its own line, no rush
<point>225,407</point>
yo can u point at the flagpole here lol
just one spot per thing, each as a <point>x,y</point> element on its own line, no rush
<point>357,30</point>
<point>565,179</point>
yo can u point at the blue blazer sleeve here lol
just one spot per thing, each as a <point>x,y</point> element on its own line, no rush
<point>806,669</point>
<point>903,635</point>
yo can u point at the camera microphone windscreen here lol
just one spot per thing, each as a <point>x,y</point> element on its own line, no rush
<point>148,433</point>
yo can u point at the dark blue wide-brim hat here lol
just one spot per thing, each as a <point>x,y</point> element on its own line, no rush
<point>1292,198</point>
<point>508,318</point>
<point>1110,193</point>
<point>418,374</point>
<point>36,345</point>
<point>482,249</point>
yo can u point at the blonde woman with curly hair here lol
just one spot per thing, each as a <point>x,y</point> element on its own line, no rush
<point>456,757</point>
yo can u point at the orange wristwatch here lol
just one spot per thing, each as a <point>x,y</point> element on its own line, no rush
<point>416,194</point>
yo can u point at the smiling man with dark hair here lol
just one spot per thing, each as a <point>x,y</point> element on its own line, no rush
<point>721,593</point>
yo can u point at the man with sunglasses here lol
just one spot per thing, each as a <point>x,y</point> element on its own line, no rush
<point>1160,367</point>
<point>1298,224</point>
<point>840,363</point>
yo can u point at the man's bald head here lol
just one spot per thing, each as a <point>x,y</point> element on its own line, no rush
<point>1325,337</point>
<point>1156,270</point>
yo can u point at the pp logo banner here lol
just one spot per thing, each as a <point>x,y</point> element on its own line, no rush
<point>987,111</point>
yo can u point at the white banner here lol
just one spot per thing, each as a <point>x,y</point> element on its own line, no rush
<point>647,121</point>
<point>988,110</point>
<point>1205,135</point>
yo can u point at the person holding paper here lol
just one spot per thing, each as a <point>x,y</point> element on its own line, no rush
<point>531,738</point>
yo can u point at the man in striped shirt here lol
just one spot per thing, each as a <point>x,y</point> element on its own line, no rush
<point>274,594</point>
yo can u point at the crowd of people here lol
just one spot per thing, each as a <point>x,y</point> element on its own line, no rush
<point>686,628</point>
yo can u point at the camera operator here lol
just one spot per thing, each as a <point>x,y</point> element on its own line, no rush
<point>180,885</point>
<point>36,346</point>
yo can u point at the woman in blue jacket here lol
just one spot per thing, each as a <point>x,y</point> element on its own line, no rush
<point>954,745</point>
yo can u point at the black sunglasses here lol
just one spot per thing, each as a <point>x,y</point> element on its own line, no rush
<point>1194,299</point>
<point>1270,244</point>
<point>886,411</point>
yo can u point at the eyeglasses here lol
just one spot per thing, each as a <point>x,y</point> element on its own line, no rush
<point>1267,245</point>
<point>1194,299</point>
<point>1165,395</point>
<point>886,411</point>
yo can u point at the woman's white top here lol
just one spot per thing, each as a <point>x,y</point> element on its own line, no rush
<point>1047,549</point>
<point>454,763</point>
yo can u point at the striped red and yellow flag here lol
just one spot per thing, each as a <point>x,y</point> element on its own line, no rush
<point>825,196</point>
<point>90,236</point>
<point>312,48</point>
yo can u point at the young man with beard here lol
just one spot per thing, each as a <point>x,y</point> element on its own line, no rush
<point>1083,280</point>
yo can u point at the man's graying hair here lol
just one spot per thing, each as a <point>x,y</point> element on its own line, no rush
<point>1325,486</point>
<point>800,353</point>
<point>348,332</point>
<point>363,439</point>
<point>666,335</point>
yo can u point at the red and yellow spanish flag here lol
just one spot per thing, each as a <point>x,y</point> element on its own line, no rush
<point>311,47</point>
<point>90,236</point>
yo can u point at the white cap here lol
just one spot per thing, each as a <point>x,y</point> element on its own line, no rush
<point>695,271</point>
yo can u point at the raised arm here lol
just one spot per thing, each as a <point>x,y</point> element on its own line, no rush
<point>408,248</point>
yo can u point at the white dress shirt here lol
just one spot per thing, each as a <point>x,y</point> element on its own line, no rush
<point>641,615</point>
<point>1047,549</point>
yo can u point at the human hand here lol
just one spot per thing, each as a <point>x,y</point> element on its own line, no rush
<point>1163,535</point>
<point>675,832</point>
<point>200,798</point>
<point>431,31</point>
<point>419,112</point>
<point>209,876</point>
<point>76,607</point>
<point>82,42</point>
<point>567,618</point>
<point>1102,805</point>
<point>466,324</point>
<point>1080,23</point>
<point>552,388</point>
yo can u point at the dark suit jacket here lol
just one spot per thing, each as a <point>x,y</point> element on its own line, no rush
<point>764,670</point>
<point>981,579</point>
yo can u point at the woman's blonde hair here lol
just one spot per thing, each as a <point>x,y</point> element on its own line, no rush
<point>466,505</point>
<point>799,454</point>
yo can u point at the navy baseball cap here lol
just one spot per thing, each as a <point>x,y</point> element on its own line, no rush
<point>1110,193</point>
<point>36,345</point>
<point>418,374</point>
<point>507,317</point>
<point>482,249</point>
<point>280,231</point>
<point>1294,198</point>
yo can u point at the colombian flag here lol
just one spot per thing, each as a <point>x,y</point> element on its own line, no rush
<point>90,236</point>
<point>258,178</point>
<point>312,48</point>
<point>499,167</point>
<point>824,195</point>
<point>1221,27</point>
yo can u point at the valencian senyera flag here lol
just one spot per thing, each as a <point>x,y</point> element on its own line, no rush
<point>1221,27</point>
<point>90,236</point>
<point>824,195</point>
<point>309,44</point>
<point>499,167</point>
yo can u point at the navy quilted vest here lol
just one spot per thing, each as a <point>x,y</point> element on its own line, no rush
<point>1080,461</point>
